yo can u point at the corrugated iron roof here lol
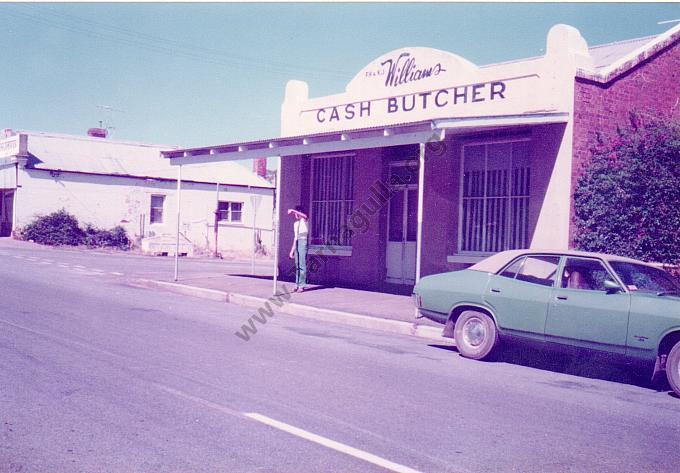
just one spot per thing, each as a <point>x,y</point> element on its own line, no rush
<point>117,158</point>
<point>605,54</point>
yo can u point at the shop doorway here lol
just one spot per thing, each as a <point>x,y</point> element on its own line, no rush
<point>6,212</point>
<point>402,226</point>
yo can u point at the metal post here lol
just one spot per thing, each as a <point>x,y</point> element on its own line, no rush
<point>216,220</point>
<point>14,201</point>
<point>179,201</point>
<point>277,212</point>
<point>255,202</point>
<point>421,182</point>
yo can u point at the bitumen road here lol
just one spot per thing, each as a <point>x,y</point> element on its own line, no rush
<point>98,376</point>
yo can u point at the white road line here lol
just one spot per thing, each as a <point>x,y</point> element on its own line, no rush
<point>62,265</point>
<point>340,447</point>
<point>44,262</point>
<point>98,270</point>
<point>17,256</point>
<point>198,400</point>
<point>32,258</point>
<point>332,444</point>
<point>79,266</point>
<point>115,273</point>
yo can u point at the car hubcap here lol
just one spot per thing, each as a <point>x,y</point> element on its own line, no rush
<point>474,332</point>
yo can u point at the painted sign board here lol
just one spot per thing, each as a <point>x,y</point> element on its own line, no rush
<point>416,84</point>
<point>12,147</point>
<point>9,147</point>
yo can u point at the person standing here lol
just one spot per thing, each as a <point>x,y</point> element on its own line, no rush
<point>298,251</point>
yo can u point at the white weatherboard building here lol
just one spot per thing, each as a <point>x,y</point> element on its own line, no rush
<point>108,183</point>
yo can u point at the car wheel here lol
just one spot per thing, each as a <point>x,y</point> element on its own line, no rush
<point>673,368</point>
<point>475,334</point>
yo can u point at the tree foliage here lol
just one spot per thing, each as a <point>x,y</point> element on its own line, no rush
<point>627,202</point>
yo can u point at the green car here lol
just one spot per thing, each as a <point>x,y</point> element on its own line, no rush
<point>588,300</point>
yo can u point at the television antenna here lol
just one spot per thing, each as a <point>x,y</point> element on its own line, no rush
<point>108,112</point>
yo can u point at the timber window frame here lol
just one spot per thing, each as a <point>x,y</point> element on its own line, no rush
<point>229,211</point>
<point>156,207</point>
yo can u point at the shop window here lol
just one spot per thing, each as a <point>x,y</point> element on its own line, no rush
<point>230,211</point>
<point>332,200</point>
<point>495,197</point>
<point>156,212</point>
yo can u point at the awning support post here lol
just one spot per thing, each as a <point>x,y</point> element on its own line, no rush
<point>277,211</point>
<point>421,190</point>
<point>179,202</point>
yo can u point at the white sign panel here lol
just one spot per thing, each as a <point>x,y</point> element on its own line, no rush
<point>415,84</point>
<point>9,147</point>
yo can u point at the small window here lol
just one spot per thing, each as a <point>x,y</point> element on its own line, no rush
<point>585,274</point>
<point>539,270</point>
<point>229,211</point>
<point>510,271</point>
<point>156,213</point>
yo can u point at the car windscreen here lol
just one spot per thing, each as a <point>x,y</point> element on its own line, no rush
<point>638,277</point>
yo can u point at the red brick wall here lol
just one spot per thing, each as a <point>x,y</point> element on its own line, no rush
<point>600,107</point>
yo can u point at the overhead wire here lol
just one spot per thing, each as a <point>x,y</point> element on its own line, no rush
<point>158,44</point>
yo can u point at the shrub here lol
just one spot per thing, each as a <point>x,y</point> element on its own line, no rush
<point>114,238</point>
<point>628,199</point>
<point>61,228</point>
<point>58,228</point>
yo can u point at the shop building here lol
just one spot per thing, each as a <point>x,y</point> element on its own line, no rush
<point>428,162</point>
<point>107,183</point>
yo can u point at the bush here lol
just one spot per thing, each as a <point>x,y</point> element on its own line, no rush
<point>114,238</point>
<point>58,228</point>
<point>61,228</point>
<point>628,200</point>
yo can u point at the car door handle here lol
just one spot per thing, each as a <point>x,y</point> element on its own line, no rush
<point>561,298</point>
<point>493,289</point>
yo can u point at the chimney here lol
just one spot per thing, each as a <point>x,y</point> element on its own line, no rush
<point>97,132</point>
<point>260,167</point>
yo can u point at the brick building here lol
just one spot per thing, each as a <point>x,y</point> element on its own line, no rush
<point>428,162</point>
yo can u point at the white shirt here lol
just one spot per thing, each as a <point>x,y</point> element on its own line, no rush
<point>301,230</point>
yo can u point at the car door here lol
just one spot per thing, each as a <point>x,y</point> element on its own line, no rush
<point>520,294</point>
<point>583,313</point>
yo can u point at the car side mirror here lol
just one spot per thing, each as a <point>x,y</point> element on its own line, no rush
<point>611,287</point>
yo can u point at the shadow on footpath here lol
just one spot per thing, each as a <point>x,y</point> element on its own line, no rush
<point>577,362</point>
<point>252,276</point>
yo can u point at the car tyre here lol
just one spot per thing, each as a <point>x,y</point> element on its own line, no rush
<point>475,335</point>
<point>673,368</point>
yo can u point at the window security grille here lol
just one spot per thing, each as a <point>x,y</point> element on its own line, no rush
<point>495,197</point>
<point>332,200</point>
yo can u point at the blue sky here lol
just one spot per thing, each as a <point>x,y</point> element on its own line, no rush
<point>203,74</point>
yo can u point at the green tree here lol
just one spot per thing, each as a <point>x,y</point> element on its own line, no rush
<point>627,202</point>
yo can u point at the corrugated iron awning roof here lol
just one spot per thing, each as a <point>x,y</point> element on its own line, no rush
<point>349,140</point>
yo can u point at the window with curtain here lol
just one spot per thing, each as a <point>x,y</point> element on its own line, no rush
<point>332,200</point>
<point>495,197</point>
<point>156,208</point>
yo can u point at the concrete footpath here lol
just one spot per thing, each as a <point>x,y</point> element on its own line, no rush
<point>371,310</point>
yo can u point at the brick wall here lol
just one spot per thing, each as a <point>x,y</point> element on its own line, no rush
<point>601,107</point>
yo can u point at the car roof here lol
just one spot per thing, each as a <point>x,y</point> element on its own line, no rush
<point>496,262</point>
